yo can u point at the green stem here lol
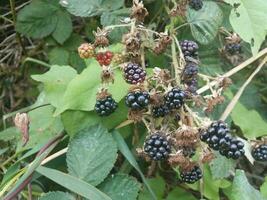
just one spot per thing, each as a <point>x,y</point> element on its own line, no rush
<point>36,61</point>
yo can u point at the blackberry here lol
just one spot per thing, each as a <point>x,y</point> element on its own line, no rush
<point>189,48</point>
<point>190,70</point>
<point>174,99</point>
<point>196,4</point>
<point>233,48</point>
<point>259,153</point>
<point>105,106</point>
<point>219,138</point>
<point>191,176</point>
<point>160,111</point>
<point>133,73</point>
<point>137,100</point>
<point>157,146</point>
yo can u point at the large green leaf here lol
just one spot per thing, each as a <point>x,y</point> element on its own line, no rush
<point>247,19</point>
<point>256,126</point>
<point>89,8</point>
<point>55,82</point>
<point>120,187</point>
<point>8,134</point>
<point>38,19</point>
<point>57,196</point>
<point>182,194</point>
<point>73,184</point>
<point>76,120</point>
<point>58,56</point>
<point>205,23</point>
<point>157,184</point>
<point>64,27</point>
<point>242,190</point>
<point>43,126</point>
<point>221,167</point>
<point>81,91</point>
<point>91,154</point>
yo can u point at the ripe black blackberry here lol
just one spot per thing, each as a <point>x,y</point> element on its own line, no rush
<point>174,99</point>
<point>157,146</point>
<point>190,70</point>
<point>233,48</point>
<point>235,150</point>
<point>105,106</point>
<point>160,111</point>
<point>137,100</point>
<point>189,48</point>
<point>196,4</point>
<point>134,73</point>
<point>191,176</point>
<point>259,153</point>
<point>217,136</point>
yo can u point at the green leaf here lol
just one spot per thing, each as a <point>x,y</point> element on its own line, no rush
<point>157,184</point>
<point>76,62</point>
<point>58,56</point>
<point>55,82</point>
<point>9,134</point>
<point>114,17</point>
<point>205,22</point>
<point>38,19</point>
<point>89,8</point>
<point>247,19</point>
<point>120,187</point>
<point>242,190</point>
<point>221,167</point>
<point>73,184</point>
<point>91,154</point>
<point>57,196</point>
<point>43,126</point>
<point>64,27</point>
<point>182,194</point>
<point>263,188</point>
<point>129,156</point>
<point>75,120</point>
<point>255,127</point>
<point>81,91</point>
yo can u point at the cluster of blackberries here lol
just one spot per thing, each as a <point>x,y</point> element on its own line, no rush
<point>137,100</point>
<point>174,99</point>
<point>105,106</point>
<point>196,4</point>
<point>189,77</point>
<point>160,111</point>
<point>233,48</point>
<point>157,146</point>
<point>259,153</point>
<point>134,73</point>
<point>219,138</point>
<point>189,49</point>
<point>191,176</point>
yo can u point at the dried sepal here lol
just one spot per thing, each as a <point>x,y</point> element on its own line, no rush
<point>138,11</point>
<point>179,9</point>
<point>179,160</point>
<point>107,75</point>
<point>212,102</point>
<point>102,94</point>
<point>135,115</point>
<point>207,156</point>
<point>234,38</point>
<point>162,76</point>
<point>162,43</point>
<point>101,37</point>
<point>132,42</point>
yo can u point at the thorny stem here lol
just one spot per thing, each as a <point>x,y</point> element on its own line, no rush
<point>234,101</point>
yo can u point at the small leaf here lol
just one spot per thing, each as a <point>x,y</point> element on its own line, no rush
<point>221,167</point>
<point>57,196</point>
<point>73,184</point>
<point>120,187</point>
<point>263,188</point>
<point>55,82</point>
<point>64,27</point>
<point>38,19</point>
<point>91,154</point>
<point>205,23</point>
<point>81,91</point>
<point>255,127</point>
<point>242,190</point>
<point>58,56</point>
<point>247,18</point>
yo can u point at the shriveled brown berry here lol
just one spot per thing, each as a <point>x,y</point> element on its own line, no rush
<point>86,50</point>
<point>139,12</point>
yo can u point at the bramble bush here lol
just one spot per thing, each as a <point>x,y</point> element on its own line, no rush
<point>129,100</point>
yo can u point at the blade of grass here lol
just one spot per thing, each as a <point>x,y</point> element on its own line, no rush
<point>73,184</point>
